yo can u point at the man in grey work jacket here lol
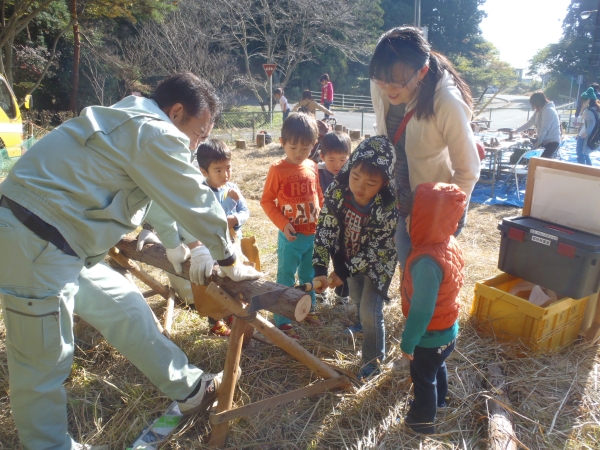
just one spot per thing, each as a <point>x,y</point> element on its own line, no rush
<point>70,198</point>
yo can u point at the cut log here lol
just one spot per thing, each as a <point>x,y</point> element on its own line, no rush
<point>367,136</point>
<point>355,134</point>
<point>344,130</point>
<point>291,303</point>
<point>339,128</point>
<point>240,143</point>
<point>501,432</point>
<point>260,140</point>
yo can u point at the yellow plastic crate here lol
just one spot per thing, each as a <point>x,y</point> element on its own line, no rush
<point>510,318</point>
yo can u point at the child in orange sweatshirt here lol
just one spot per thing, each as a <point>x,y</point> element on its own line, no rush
<point>292,200</point>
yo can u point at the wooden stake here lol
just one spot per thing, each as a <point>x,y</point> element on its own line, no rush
<point>502,435</point>
<point>355,134</point>
<point>240,143</point>
<point>218,434</point>
<point>272,333</point>
<point>169,311</point>
<point>270,403</point>
<point>260,140</point>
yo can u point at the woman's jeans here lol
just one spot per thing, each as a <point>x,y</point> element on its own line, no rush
<point>403,245</point>
<point>581,158</point>
<point>369,304</point>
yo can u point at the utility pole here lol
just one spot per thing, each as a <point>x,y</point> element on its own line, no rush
<point>418,13</point>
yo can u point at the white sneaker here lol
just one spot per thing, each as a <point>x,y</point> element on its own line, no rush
<point>206,395</point>
<point>209,385</point>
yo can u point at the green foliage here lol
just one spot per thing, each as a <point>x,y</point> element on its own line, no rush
<point>482,67</point>
<point>571,55</point>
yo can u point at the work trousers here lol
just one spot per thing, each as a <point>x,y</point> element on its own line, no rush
<point>369,305</point>
<point>294,257</point>
<point>41,288</point>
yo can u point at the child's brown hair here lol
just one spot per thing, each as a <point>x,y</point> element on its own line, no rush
<point>299,127</point>
<point>336,142</point>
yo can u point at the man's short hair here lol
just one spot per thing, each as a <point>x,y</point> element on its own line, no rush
<point>336,142</point>
<point>194,93</point>
<point>299,127</point>
<point>211,151</point>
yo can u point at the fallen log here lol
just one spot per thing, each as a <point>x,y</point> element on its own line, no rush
<point>501,433</point>
<point>288,302</point>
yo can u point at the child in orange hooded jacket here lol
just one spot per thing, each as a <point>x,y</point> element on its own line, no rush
<point>430,285</point>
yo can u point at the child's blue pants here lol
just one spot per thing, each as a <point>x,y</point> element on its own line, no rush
<point>294,257</point>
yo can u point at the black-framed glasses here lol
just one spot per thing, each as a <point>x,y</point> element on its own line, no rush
<point>394,84</point>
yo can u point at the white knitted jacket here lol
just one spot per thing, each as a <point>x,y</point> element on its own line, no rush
<point>441,148</point>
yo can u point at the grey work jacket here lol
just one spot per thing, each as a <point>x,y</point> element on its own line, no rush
<point>93,178</point>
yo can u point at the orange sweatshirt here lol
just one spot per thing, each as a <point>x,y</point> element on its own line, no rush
<point>292,195</point>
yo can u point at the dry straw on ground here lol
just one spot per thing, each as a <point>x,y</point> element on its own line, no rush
<point>554,398</point>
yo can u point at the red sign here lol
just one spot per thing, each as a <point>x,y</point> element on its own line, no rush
<point>269,68</point>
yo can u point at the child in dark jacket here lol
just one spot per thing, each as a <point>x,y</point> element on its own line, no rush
<point>335,151</point>
<point>356,230</point>
<point>430,285</point>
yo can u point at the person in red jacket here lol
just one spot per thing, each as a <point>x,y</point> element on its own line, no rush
<point>430,285</point>
<point>326,92</point>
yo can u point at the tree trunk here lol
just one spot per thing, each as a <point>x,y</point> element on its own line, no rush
<point>76,57</point>
<point>288,302</point>
<point>8,60</point>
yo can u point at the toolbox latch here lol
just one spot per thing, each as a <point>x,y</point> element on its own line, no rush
<point>566,250</point>
<point>516,234</point>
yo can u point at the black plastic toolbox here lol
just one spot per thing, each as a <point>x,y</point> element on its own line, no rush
<point>556,257</point>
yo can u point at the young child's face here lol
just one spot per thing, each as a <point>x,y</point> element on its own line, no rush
<point>364,187</point>
<point>218,174</point>
<point>334,162</point>
<point>296,152</point>
<point>277,96</point>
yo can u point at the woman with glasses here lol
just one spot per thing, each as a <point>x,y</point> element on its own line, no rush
<point>424,107</point>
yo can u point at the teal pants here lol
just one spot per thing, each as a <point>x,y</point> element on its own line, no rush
<point>294,257</point>
<point>41,288</point>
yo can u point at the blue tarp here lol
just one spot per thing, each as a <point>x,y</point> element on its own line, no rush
<point>506,192</point>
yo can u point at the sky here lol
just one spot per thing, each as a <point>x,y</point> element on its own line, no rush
<point>519,28</point>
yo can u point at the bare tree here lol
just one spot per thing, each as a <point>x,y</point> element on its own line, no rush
<point>184,41</point>
<point>287,33</point>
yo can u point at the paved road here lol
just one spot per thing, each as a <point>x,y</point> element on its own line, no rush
<point>510,113</point>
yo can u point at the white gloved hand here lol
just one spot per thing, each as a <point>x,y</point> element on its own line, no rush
<point>202,265</point>
<point>239,272</point>
<point>146,237</point>
<point>177,256</point>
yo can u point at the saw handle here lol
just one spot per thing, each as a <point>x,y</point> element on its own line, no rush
<point>307,287</point>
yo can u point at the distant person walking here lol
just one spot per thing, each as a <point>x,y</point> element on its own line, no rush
<point>416,90</point>
<point>545,120</point>
<point>285,106</point>
<point>326,92</point>
<point>590,107</point>
<point>309,106</point>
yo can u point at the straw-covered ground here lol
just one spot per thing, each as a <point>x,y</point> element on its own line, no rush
<point>554,398</point>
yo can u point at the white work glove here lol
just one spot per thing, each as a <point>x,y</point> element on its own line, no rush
<point>239,272</point>
<point>202,265</point>
<point>146,237</point>
<point>177,256</point>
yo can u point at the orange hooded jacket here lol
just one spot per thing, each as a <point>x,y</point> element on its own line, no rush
<point>436,210</point>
